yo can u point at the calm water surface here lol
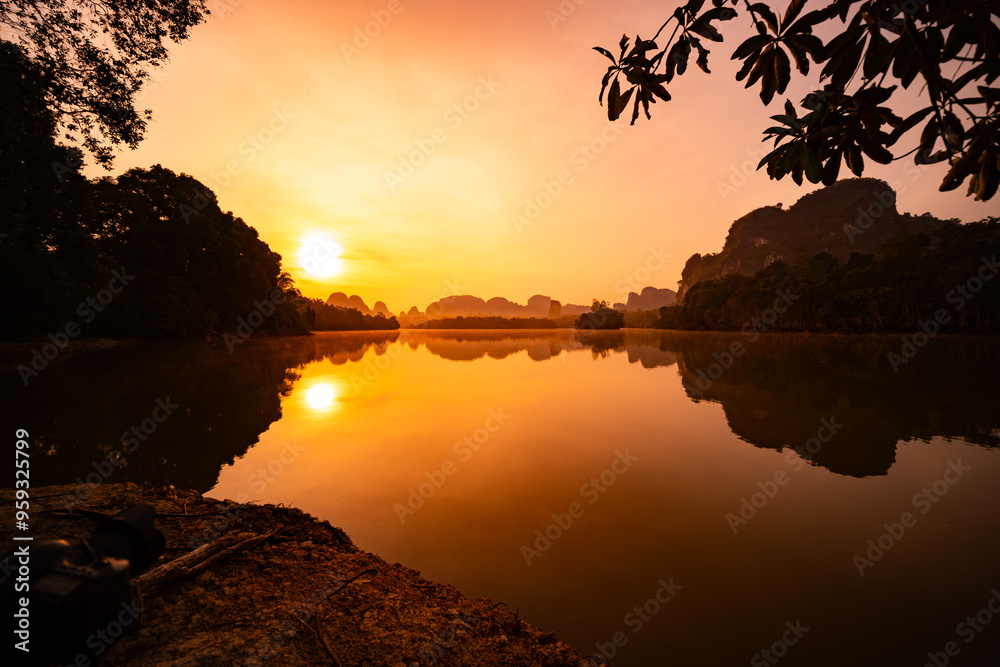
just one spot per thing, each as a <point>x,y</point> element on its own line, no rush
<point>573,476</point>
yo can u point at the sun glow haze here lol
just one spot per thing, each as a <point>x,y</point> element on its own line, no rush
<point>320,256</point>
<point>420,147</point>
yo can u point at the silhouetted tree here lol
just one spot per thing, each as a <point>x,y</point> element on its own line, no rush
<point>93,56</point>
<point>197,269</point>
<point>48,260</point>
<point>193,269</point>
<point>601,317</point>
<point>845,120</point>
<point>336,318</point>
<point>943,281</point>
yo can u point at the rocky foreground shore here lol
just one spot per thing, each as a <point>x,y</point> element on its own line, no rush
<point>278,587</point>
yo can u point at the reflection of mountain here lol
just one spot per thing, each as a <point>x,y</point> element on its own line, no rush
<point>651,356</point>
<point>77,410</point>
<point>776,394</point>
<point>453,306</point>
<point>469,345</point>
<point>465,305</point>
<point>641,346</point>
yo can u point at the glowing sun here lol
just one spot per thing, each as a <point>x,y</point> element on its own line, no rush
<point>319,255</point>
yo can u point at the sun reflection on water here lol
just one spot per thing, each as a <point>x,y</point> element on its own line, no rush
<point>321,396</point>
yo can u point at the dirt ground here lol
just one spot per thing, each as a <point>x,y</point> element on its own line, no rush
<point>303,596</point>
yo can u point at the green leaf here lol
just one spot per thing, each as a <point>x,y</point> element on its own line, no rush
<point>814,169</point>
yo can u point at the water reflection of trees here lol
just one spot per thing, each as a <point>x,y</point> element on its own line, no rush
<point>773,396</point>
<point>77,411</point>
<point>776,393</point>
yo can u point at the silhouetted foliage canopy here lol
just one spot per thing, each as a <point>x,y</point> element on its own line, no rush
<point>601,317</point>
<point>847,120</point>
<point>147,253</point>
<point>321,316</point>
<point>943,281</point>
<point>93,56</point>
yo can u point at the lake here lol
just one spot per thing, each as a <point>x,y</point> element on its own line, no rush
<point>662,497</point>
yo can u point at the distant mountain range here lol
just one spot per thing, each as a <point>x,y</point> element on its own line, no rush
<point>855,215</point>
<point>341,300</point>
<point>453,306</point>
<point>466,305</point>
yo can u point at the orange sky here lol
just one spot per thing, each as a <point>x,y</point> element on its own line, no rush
<point>301,127</point>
